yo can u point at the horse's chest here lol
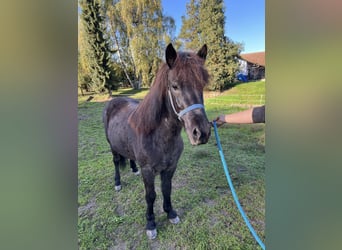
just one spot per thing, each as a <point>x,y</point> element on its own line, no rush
<point>160,154</point>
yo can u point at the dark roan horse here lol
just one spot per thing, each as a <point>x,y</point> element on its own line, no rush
<point>149,132</point>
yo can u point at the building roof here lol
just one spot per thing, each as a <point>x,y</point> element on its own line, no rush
<point>255,58</point>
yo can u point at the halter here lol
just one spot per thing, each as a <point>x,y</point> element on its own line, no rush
<point>184,111</point>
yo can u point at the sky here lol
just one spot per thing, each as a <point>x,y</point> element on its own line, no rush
<point>245,21</point>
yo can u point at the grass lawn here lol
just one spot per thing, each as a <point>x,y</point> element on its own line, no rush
<point>201,196</point>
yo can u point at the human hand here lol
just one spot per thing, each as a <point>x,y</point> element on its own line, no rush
<point>220,120</point>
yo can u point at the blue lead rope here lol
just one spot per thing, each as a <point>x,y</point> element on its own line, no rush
<point>251,229</point>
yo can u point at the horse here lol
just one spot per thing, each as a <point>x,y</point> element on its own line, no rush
<point>149,132</point>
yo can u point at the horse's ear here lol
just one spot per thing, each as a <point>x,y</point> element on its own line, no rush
<point>170,55</point>
<point>202,53</point>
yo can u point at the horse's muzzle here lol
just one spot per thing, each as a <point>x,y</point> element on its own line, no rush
<point>200,134</point>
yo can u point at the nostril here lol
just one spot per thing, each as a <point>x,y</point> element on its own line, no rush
<point>196,133</point>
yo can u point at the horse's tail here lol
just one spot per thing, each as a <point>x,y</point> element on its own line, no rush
<point>105,119</point>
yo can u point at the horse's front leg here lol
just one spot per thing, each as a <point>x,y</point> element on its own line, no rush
<point>150,196</point>
<point>166,186</point>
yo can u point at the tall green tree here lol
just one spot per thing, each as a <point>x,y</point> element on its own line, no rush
<point>169,30</point>
<point>143,21</point>
<point>96,50</point>
<point>221,61</point>
<point>139,31</point>
<point>205,24</point>
<point>190,30</point>
<point>120,41</point>
<point>83,67</point>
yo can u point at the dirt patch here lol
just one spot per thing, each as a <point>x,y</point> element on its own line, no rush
<point>89,208</point>
<point>120,210</point>
<point>209,202</point>
<point>119,246</point>
<point>154,245</point>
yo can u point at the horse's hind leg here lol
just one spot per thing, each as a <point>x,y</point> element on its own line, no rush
<point>166,186</point>
<point>116,160</point>
<point>134,168</point>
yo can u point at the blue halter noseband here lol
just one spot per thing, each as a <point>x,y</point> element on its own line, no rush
<point>186,110</point>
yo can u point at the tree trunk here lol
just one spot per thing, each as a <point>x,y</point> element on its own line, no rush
<point>120,60</point>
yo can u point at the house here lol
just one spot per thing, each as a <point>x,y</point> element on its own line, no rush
<point>252,66</point>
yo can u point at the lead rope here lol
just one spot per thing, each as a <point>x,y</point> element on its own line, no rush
<point>225,167</point>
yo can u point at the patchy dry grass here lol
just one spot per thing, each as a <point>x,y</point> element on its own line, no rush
<point>201,196</point>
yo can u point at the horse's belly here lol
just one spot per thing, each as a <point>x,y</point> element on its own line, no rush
<point>124,150</point>
<point>157,155</point>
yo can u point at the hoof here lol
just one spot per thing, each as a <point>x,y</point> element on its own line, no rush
<point>137,173</point>
<point>118,188</point>
<point>151,234</point>
<point>175,220</point>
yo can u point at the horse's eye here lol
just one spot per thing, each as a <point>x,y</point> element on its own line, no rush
<point>174,86</point>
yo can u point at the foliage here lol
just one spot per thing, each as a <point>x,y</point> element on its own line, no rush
<point>121,41</point>
<point>143,20</point>
<point>96,52</point>
<point>190,31</point>
<point>205,24</point>
<point>209,217</point>
<point>169,29</point>
<point>84,79</point>
<point>140,32</point>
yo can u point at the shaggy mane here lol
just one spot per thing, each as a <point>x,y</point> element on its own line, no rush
<point>189,68</point>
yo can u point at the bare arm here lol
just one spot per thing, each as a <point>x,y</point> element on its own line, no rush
<point>253,115</point>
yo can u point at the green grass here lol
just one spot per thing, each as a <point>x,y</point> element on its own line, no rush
<point>242,95</point>
<point>201,196</point>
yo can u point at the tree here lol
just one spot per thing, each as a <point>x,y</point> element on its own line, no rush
<point>83,67</point>
<point>205,24</point>
<point>120,41</point>
<point>139,31</point>
<point>169,28</point>
<point>96,51</point>
<point>190,30</point>
<point>143,22</point>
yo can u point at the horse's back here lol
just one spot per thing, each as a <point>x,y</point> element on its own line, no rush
<point>118,107</point>
<point>117,104</point>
